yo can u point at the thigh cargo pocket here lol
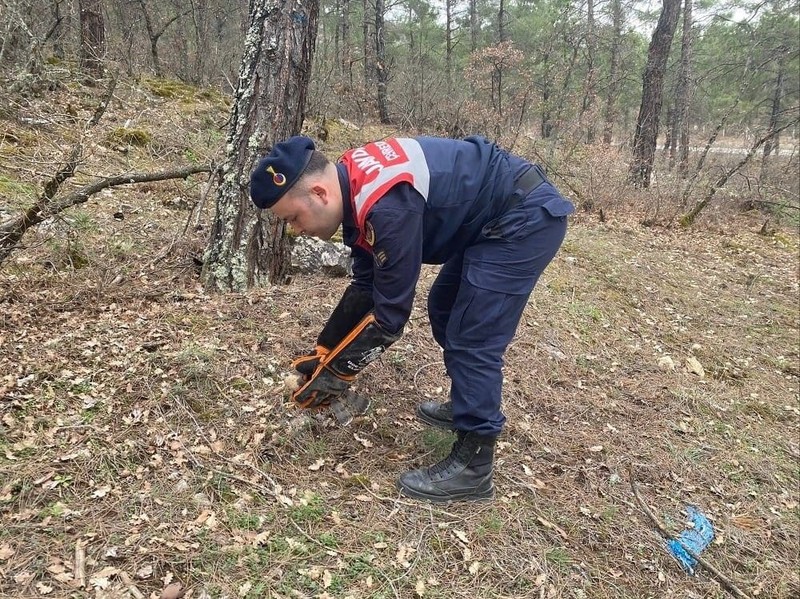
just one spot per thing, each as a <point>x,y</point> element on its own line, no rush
<point>558,207</point>
<point>500,278</point>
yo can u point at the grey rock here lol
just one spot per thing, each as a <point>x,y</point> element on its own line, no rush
<point>310,255</point>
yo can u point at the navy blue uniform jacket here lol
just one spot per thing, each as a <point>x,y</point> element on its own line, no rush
<point>409,202</point>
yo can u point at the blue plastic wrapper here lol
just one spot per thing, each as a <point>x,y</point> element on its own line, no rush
<point>695,539</point>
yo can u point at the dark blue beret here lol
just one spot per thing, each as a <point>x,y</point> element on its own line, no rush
<point>279,170</point>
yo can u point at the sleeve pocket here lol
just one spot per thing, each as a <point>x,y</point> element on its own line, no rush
<point>558,207</point>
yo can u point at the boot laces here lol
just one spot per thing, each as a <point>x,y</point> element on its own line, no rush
<point>447,463</point>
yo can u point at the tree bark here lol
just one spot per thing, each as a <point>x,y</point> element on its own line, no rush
<point>248,247</point>
<point>684,94</point>
<point>644,141</point>
<point>614,74</point>
<point>448,32</point>
<point>381,68</point>
<point>473,25</point>
<point>773,142</point>
<point>346,48</point>
<point>502,34</point>
<point>199,11</point>
<point>367,44</point>
<point>93,37</point>
<point>591,70</point>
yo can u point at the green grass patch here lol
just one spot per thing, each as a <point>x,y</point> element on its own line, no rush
<point>311,509</point>
<point>558,558</point>
<point>438,441</point>
<point>243,520</point>
<point>170,89</point>
<point>130,137</point>
<point>16,192</point>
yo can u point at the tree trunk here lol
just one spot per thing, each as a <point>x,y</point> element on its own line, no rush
<point>59,30</point>
<point>473,25</point>
<point>93,37</point>
<point>614,74</point>
<point>199,13</point>
<point>591,70</point>
<point>671,133</point>
<point>547,124</point>
<point>344,33</point>
<point>684,94</point>
<point>154,35</point>
<point>772,143</point>
<point>448,7</point>
<point>151,35</point>
<point>248,247</point>
<point>502,35</point>
<point>381,68</point>
<point>644,141</point>
<point>367,44</point>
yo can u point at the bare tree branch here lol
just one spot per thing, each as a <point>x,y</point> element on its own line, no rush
<point>689,218</point>
<point>13,229</point>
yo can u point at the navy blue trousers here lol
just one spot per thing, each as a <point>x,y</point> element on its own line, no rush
<point>478,298</point>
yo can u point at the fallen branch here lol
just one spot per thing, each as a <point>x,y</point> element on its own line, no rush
<point>726,582</point>
<point>12,230</point>
<point>688,219</point>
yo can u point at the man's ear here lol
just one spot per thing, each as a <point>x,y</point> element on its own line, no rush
<point>321,191</point>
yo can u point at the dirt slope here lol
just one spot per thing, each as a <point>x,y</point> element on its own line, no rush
<point>144,438</point>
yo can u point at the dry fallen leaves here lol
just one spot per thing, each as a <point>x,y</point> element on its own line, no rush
<point>173,591</point>
<point>693,365</point>
<point>6,551</point>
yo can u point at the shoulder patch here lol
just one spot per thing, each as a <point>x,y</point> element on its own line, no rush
<point>369,233</point>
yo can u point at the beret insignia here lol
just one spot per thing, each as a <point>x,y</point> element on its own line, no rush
<point>278,179</point>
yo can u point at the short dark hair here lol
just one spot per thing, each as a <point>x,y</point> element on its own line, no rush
<point>316,164</point>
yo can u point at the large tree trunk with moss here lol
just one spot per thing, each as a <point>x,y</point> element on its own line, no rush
<point>644,141</point>
<point>248,247</point>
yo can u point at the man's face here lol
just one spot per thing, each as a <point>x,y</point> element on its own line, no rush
<point>313,211</point>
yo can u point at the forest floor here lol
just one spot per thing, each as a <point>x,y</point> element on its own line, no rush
<point>145,441</point>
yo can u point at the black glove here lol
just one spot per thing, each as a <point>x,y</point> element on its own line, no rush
<point>354,305</point>
<point>321,389</point>
<point>307,364</point>
<point>338,369</point>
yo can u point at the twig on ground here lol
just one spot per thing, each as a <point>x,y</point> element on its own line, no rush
<point>198,208</point>
<point>312,539</point>
<point>244,481</point>
<point>423,367</point>
<point>79,575</point>
<point>726,582</point>
<point>128,582</point>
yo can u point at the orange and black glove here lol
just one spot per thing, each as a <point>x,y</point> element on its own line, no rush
<point>356,302</point>
<point>307,364</point>
<point>338,368</point>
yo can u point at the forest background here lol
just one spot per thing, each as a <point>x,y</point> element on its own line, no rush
<point>145,448</point>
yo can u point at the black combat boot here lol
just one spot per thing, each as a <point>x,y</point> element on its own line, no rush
<point>466,474</point>
<point>436,414</point>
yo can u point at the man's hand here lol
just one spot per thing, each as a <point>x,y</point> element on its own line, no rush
<point>307,364</point>
<point>322,387</point>
<point>309,395</point>
<point>337,369</point>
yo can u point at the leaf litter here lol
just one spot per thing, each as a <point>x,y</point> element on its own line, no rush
<point>146,447</point>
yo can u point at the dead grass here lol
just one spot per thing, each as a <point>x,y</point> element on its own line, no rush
<point>143,420</point>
